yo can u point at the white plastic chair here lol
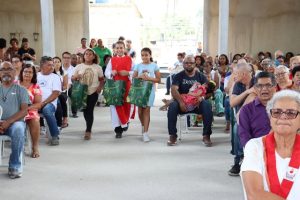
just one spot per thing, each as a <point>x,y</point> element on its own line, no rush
<point>186,129</point>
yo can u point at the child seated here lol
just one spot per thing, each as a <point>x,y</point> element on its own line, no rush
<point>191,100</point>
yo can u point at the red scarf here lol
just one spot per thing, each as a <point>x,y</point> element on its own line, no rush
<point>284,188</point>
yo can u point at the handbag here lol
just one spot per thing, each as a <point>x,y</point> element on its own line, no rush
<point>79,95</point>
<point>139,92</point>
<point>114,91</point>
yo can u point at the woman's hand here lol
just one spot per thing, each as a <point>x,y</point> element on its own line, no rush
<point>114,72</point>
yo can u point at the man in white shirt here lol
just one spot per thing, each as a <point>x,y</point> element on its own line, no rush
<point>50,85</point>
<point>69,70</point>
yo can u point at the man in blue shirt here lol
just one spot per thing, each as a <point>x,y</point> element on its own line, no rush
<point>253,118</point>
<point>181,85</point>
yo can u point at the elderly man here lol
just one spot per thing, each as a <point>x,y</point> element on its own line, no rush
<point>241,90</point>
<point>181,84</point>
<point>14,101</point>
<point>50,85</point>
<point>253,118</point>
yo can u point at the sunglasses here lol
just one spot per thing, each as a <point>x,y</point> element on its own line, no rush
<point>289,113</point>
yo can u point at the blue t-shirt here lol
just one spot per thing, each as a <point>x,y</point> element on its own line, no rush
<point>151,68</point>
<point>184,82</point>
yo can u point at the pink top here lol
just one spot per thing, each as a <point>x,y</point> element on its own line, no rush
<point>33,90</point>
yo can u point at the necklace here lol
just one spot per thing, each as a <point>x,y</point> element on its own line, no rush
<point>4,97</point>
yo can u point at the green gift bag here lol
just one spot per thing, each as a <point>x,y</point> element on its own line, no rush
<point>79,95</point>
<point>139,92</point>
<point>113,92</point>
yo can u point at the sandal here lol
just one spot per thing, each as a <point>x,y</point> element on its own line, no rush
<point>87,136</point>
<point>163,108</point>
<point>64,125</point>
<point>35,153</point>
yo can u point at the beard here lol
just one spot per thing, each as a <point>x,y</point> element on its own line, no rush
<point>189,70</point>
<point>6,78</point>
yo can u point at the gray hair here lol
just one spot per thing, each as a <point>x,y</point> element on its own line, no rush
<point>6,63</point>
<point>291,94</point>
<point>244,66</point>
<point>285,69</point>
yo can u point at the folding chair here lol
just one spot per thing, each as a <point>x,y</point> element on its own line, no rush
<point>186,128</point>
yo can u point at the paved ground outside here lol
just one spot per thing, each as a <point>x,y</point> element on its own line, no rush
<point>127,169</point>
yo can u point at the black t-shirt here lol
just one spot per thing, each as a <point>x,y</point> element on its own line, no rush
<point>23,51</point>
<point>184,82</point>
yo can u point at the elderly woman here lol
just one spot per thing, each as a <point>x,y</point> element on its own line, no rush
<point>282,74</point>
<point>270,169</point>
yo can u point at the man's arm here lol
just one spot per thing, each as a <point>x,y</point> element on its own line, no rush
<point>176,95</point>
<point>5,124</point>
<point>51,98</point>
<point>244,128</point>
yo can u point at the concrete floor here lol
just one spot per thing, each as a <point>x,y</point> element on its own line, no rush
<point>127,169</point>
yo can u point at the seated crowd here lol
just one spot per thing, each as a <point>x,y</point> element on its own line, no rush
<point>241,89</point>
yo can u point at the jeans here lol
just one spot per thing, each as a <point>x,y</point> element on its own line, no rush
<point>49,114</point>
<point>219,101</point>
<point>17,134</point>
<point>204,109</point>
<point>88,112</point>
<point>227,108</point>
<point>237,149</point>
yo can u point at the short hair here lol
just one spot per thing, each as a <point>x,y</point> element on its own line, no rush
<point>180,54</point>
<point>269,54</point>
<point>2,43</point>
<point>95,60</point>
<point>121,38</point>
<point>45,59</point>
<point>14,40</point>
<point>34,76</point>
<point>265,75</point>
<point>129,41</point>
<point>295,70</point>
<point>294,58</point>
<point>6,63</point>
<point>83,39</point>
<point>290,94</point>
<point>105,57</point>
<point>16,56</point>
<point>66,52</point>
<point>24,40</point>
<point>285,69</point>
<point>244,66</point>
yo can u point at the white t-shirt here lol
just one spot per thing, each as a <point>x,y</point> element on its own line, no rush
<point>48,84</point>
<point>254,161</point>
<point>70,72</point>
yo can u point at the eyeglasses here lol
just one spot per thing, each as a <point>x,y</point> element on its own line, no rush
<point>188,63</point>
<point>261,86</point>
<point>289,113</point>
<point>280,74</point>
<point>6,69</point>
<point>27,72</point>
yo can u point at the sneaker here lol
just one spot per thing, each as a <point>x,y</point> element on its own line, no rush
<point>14,173</point>
<point>43,130</point>
<point>54,141</point>
<point>167,93</point>
<point>119,131</point>
<point>126,128</point>
<point>146,137</point>
<point>235,170</point>
<point>206,140</point>
<point>172,140</point>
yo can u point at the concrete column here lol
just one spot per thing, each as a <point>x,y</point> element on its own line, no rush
<point>86,20</point>
<point>223,26</point>
<point>206,22</point>
<point>47,15</point>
